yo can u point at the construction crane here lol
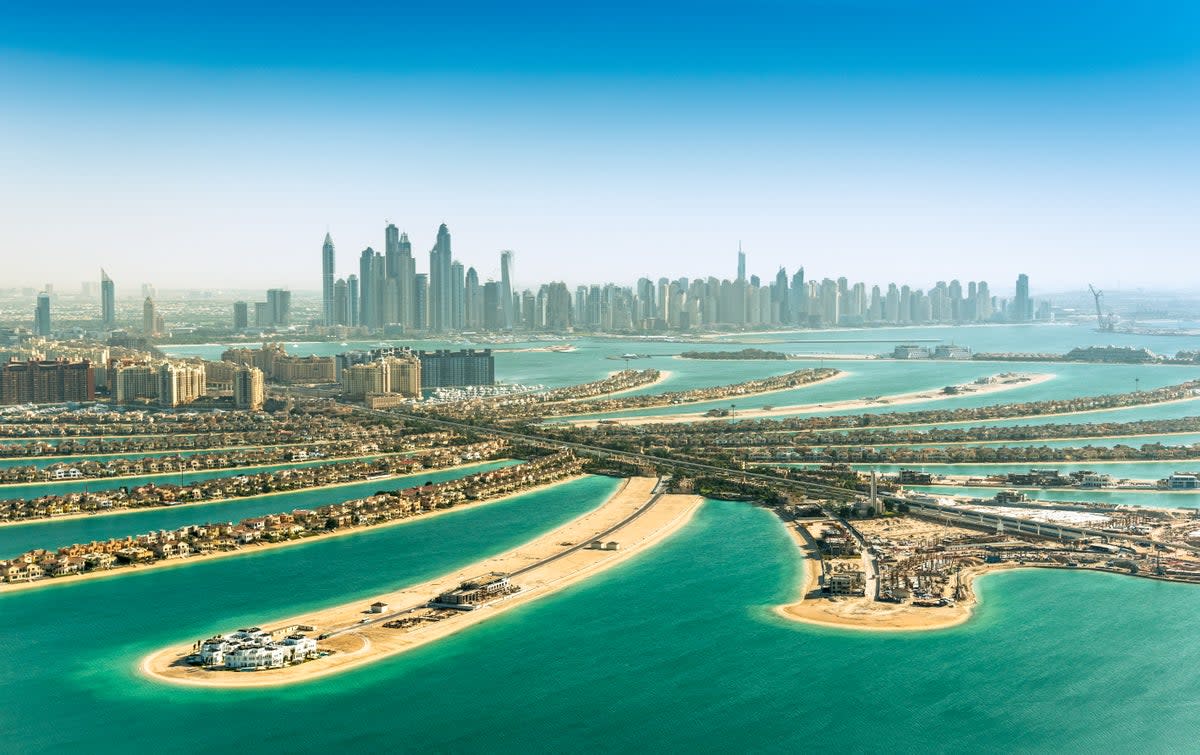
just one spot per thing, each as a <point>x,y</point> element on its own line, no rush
<point>1103,323</point>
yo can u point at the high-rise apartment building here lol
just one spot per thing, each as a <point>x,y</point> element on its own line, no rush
<point>279,306</point>
<point>440,283</point>
<point>41,315</point>
<point>327,272</point>
<point>151,322</point>
<point>444,368</point>
<point>403,374</point>
<point>241,315</point>
<point>180,383</point>
<point>108,300</point>
<point>352,299</point>
<point>133,381</point>
<point>249,388</point>
<point>46,382</point>
<point>421,302</point>
<point>506,290</point>
<point>341,302</point>
<point>1022,306</point>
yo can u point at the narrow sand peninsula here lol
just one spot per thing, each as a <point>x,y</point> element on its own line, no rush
<point>1083,439</point>
<point>74,579</point>
<point>634,517</point>
<point>639,419</point>
<point>993,420</point>
<point>864,613</point>
<point>898,399</point>
<point>662,376</point>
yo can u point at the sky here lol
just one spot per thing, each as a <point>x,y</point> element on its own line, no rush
<point>883,140</point>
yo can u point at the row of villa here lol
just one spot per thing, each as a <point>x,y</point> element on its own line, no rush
<point>243,457</point>
<point>300,523</point>
<point>240,486</point>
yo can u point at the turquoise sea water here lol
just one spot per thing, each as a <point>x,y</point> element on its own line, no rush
<point>675,649</point>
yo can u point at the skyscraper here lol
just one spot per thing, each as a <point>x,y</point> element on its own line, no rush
<point>249,389</point>
<point>327,267</point>
<point>440,282</point>
<point>371,287</point>
<point>241,315</point>
<point>352,299</point>
<point>421,302</point>
<point>408,273</point>
<point>41,316</point>
<point>341,302</point>
<point>508,317</point>
<point>108,300</point>
<point>741,263</point>
<point>391,251</point>
<point>279,306</point>
<point>149,317</point>
<point>458,310</point>
<point>1022,309</point>
<point>473,299</point>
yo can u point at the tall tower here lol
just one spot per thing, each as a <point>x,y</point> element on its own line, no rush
<point>108,300</point>
<point>506,291</point>
<point>439,281</point>
<point>352,299</point>
<point>391,250</point>
<point>1022,305</point>
<point>407,270</point>
<point>364,288</point>
<point>327,267</point>
<point>741,263</point>
<point>41,316</point>
<point>149,317</point>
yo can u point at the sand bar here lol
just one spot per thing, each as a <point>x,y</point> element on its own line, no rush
<point>898,399</point>
<point>357,642</point>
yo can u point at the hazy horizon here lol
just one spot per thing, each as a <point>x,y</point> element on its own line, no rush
<point>880,141</point>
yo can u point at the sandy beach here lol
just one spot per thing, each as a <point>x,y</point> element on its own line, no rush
<point>355,645</point>
<point>898,399</point>
<point>74,579</point>
<point>864,613</point>
<point>240,499</point>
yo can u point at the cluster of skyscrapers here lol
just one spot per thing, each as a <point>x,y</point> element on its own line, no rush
<point>388,292</point>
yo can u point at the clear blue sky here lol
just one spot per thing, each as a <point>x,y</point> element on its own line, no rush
<point>878,139</point>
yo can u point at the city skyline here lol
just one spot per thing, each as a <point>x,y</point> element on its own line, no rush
<point>1003,137</point>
